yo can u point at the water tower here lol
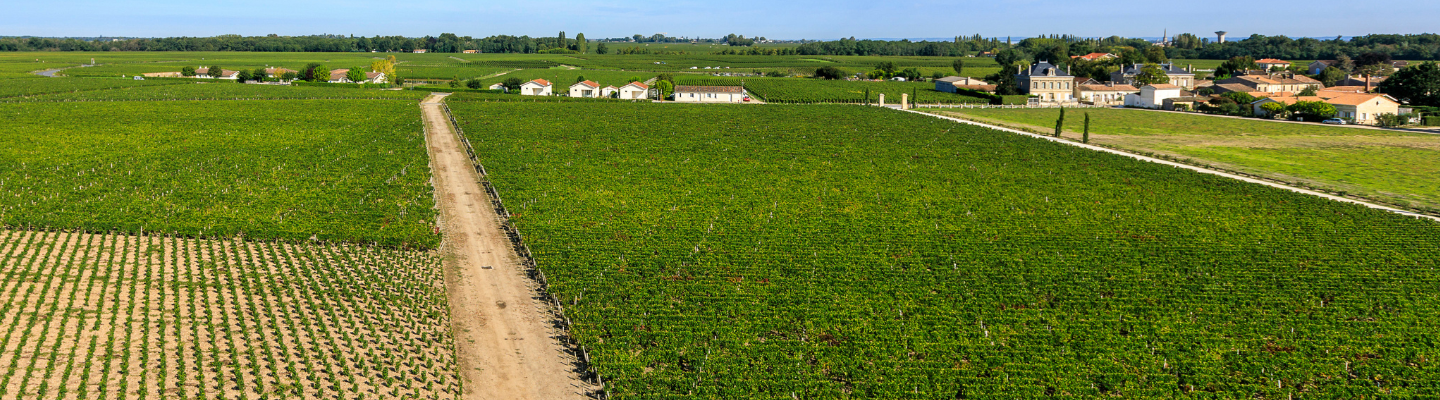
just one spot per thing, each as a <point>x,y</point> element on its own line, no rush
<point>1221,35</point>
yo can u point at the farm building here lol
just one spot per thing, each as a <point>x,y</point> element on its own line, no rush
<point>1152,96</point>
<point>471,51</point>
<point>163,74</point>
<point>224,74</point>
<point>1047,82</point>
<point>277,72</point>
<point>609,91</point>
<point>1184,78</point>
<point>1271,83</point>
<point>1094,56</point>
<point>585,89</point>
<point>1104,94</point>
<point>709,94</point>
<point>949,83</point>
<point>338,76</point>
<point>538,87</point>
<point>1271,63</point>
<point>419,51</point>
<point>497,86</point>
<point>1362,108</point>
<point>634,91</point>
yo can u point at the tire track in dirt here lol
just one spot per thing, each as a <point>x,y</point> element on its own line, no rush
<point>507,342</point>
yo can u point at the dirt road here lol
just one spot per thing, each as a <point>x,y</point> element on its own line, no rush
<point>508,346</point>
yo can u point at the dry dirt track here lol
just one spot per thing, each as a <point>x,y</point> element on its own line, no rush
<point>508,346</point>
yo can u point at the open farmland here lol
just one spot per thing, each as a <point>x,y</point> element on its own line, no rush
<point>727,252</point>
<point>107,316</point>
<point>1392,166</point>
<point>13,88</point>
<point>337,170</point>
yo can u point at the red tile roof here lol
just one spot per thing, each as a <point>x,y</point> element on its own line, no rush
<point>542,82</point>
<point>589,83</point>
<point>641,85</point>
<point>1271,61</point>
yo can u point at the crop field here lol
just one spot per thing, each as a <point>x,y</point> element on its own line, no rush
<point>108,316</point>
<point>335,170</point>
<point>11,88</point>
<point>758,253</point>
<point>563,78</point>
<point>1396,167</point>
<point>804,90</point>
<point>184,89</point>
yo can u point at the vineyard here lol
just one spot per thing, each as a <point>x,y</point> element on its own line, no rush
<point>333,170</point>
<point>12,88</point>
<point>187,90</point>
<point>758,253</point>
<point>1392,166</point>
<point>107,316</point>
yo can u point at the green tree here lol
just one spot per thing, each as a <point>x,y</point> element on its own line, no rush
<point>355,74</point>
<point>1344,63</point>
<point>1311,110</point>
<point>187,71</point>
<point>291,76</point>
<point>1389,120</point>
<point>259,75</point>
<point>1151,74</point>
<point>888,67</point>
<point>1235,65</point>
<point>317,73</point>
<point>1309,91</point>
<point>1060,123</point>
<point>474,83</point>
<point>601,48</point>
<point>1009,58</point>
<point>829,72</point>
<point>580,78</point>
<point>215,71</point>
<point>1331,76</point>
<point>242,76</point>
<point>1240,97</point>
<point>1156,54</point>
<point>1417,85</point>
<point>666,89</point>
<point>513,84</point>
<point>580,44</point>
<point>911,74</point>
<point>1274,110</point>
<point>959,66</point>
<point>1086,138</point>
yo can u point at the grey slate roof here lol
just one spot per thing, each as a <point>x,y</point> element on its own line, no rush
<point>1170,69</point>
<point>1039,69</point>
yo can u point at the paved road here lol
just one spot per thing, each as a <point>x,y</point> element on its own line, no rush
<point>1189,167</point>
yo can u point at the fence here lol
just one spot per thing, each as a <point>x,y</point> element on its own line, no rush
<point>527,258</point>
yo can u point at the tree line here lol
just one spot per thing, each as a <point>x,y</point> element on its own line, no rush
<point>1057,48</point>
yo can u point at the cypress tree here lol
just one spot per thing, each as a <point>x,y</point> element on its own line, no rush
<point>1086,138</point>
<point>1060,123</point>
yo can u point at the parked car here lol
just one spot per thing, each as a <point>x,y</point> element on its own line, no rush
<point>747,98</point>
<point>1334,121</point>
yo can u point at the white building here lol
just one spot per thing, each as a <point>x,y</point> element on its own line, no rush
<point>710,94</point>
<point>498,86</point>
<point>1152,96</point>
<point>1104,94</point>
<point>948,84</point>
<point>609,91</point>
<point>635,91</point>
<point>585,89</point>
<point>538,87</point>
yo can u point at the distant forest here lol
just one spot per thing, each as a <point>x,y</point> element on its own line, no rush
<point>1182,46</point>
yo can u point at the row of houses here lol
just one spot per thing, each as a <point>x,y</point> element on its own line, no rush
<point>634,91</point>
<point>336,76</point>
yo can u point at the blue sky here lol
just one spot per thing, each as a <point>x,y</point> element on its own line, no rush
<point>803,19</point>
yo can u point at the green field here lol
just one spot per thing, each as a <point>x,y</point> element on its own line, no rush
<point>1395,167</point>
<point>848,252</point>
<point>338,170</point>
<point>186,89</point>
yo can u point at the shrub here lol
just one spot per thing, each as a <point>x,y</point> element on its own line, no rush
<point>828,72</point>
<point>1433,120</point>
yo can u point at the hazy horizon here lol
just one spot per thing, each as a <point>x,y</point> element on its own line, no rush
<point>785,21</point>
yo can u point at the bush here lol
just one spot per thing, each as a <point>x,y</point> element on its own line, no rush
<point>1014,100</point>
<point>1391,120</point>
<point>1433,120</point>
<point>828,72</point>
